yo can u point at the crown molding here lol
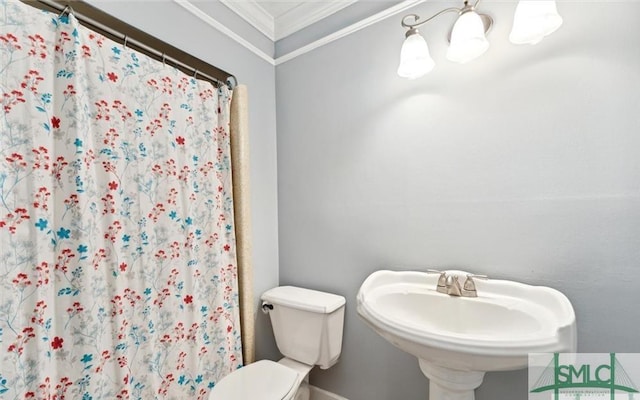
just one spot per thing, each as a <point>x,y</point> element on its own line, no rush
<point>382,15</point>
<point>224,30</point>
<point>255,15</point>
<point>306,14</point>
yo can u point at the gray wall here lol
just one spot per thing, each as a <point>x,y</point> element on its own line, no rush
<point>523,164</point>
<point>174,25</point>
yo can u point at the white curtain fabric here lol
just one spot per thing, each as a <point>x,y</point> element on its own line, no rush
<point>118,270</point>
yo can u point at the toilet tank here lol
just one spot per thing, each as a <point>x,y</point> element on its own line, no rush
<point>307,324</point>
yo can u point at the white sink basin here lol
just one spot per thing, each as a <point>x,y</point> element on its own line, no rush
<point>458,339</point>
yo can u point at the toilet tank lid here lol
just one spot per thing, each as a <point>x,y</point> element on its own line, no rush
<point>304,299</point>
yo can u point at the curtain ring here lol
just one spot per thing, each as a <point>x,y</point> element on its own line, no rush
<point>126,37</point>
<point>67,10</point>
<point>232,82</point>
<point>164,60</point>
<point>195,73</point>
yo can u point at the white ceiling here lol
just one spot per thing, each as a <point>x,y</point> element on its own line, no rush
<point>278,19</point>
<point>277,8</point>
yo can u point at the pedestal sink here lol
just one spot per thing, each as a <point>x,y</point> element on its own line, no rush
<point>458,339</point>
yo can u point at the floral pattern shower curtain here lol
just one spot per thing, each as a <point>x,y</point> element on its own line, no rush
<point>117,258</point>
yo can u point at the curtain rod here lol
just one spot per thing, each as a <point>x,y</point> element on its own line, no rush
<point>129,36</point>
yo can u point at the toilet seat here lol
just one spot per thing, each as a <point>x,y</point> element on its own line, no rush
<point>262,380</point>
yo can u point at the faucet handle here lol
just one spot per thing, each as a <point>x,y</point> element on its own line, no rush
<point>469,287</point>
<point>442,280</point>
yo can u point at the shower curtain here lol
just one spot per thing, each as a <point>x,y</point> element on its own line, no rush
<point>118,275</point>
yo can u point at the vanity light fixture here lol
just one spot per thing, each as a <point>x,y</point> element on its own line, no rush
<point>533,20</point>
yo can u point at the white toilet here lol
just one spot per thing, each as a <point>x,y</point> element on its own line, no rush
<point>307,325</point>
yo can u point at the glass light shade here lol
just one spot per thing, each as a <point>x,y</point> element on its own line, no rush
<point>468,40</point>
<point>415,60</point>
<point>533,20</point>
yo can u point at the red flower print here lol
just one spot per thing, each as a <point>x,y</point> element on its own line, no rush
<point>112,76</point>
<point>123,267</point>
<point>227,247</point>
<point>180,140</point>
<point>55,122</point>
<point>229,328</point>
<point>56,343</point>
<point>22,280</point>
<point>188,299</point>
<point>113,185</point>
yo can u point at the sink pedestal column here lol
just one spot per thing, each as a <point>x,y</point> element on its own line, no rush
<point>449,384</point>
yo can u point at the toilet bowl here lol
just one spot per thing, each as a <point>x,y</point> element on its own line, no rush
<point>264,379</point>
<point>307,326</point>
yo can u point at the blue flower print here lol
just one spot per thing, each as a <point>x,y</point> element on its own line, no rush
<point>42,224</point>
<point>63,233</point>
<point>3,387</point>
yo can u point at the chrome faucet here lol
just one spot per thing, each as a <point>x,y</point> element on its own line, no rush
<point>453,286</point>
<point>449,284</point>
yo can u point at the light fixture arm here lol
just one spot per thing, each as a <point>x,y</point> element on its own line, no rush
<point>416,17</point>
